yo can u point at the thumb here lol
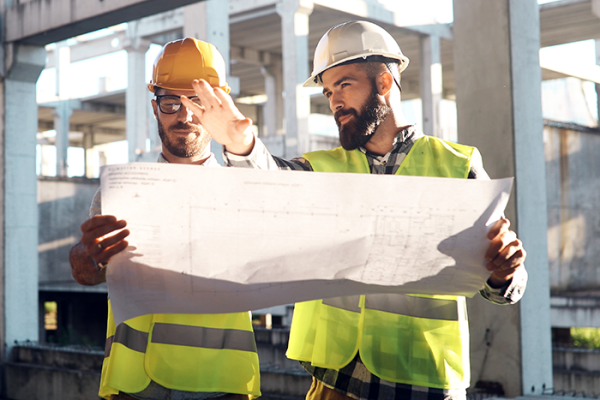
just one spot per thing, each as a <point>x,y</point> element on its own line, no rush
<point>242,124</point>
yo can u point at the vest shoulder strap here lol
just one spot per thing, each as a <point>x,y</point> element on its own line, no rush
<point>338,160</point>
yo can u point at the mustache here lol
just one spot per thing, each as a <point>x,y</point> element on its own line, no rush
<point>184,127</point>
<point>340,113</point>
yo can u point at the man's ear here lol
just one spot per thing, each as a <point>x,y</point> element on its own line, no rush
<point>385,82</point>
<point>155,109</point>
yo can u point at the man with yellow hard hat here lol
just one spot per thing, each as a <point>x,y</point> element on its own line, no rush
<point>174,356</point>
<point>385,346</point>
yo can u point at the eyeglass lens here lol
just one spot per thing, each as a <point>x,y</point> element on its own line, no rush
<point>171,104</point>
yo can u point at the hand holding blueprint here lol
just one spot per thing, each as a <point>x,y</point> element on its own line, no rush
<point>214,240</point>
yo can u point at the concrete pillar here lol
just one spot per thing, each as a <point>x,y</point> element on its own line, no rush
<point>20,234</point>
<point>270,107</point>
<point>62,64</point>
<point>276,69</point>
<point>88,148</point>
<point>294,32</point>
<point>597,42</point>
<point>431,84</point>
<point>498,95</point>
<point>136,108</point>
<point>154,144</point>
<point>62,114</point>
<point>209,21</point>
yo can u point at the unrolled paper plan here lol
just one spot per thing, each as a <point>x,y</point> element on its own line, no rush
<point>214,240</point>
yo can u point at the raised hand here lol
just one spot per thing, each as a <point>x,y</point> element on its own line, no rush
<point>220,116</point>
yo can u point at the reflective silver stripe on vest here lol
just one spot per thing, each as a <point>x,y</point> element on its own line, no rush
<point>421,307</point>
<point>199,336</point>
<point>128,337</point>
<point>348,303</point>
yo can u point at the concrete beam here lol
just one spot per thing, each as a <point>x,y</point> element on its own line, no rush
<point>252,14</point>
<point>40,22</point>
<point>159,24</point>
<point>241,6</point>
<point>250,56</point>
<point>377,12</point>
<point>361,8</point>
<point>101,108</point>
<point>567,312</point>
<point>48,125</point>
<point>118,41</point>
<point>443,31</point>
<point>585,72</point>
<point>92,48</point>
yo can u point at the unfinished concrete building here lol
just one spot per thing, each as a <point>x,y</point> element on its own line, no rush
<point>486,63</point>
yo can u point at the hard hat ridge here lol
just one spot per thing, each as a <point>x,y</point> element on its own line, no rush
<point>181,61</point>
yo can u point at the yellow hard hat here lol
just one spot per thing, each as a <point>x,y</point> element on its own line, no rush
<point>181,61</point>
<point>352,40</point>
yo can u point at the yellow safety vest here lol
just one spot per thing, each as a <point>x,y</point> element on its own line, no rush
<point>413,339</point>
<point>190,352</point>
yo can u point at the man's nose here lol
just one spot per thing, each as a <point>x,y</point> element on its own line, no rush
<point>335,102</point>
<point>185,114</point>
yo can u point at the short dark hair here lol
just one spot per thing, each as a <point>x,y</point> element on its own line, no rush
<point>373,67</point>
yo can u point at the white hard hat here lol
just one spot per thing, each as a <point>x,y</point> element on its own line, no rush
<point>352,40</point>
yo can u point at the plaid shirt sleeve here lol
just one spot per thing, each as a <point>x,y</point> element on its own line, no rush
<point>261,158</point>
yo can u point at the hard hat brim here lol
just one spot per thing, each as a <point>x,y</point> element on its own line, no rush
<point>152,88</point>
<point>314,80</point>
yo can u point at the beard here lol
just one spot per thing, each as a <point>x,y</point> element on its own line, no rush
<point>357,131</point>
<point>184,147</point>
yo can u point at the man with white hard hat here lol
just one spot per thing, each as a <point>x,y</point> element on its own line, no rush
<point>170,356</point>
<point>375,346</point>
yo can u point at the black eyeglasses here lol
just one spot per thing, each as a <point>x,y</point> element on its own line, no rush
<point>169,104</point>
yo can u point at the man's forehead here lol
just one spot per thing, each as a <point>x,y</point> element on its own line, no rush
<point>333,74</point>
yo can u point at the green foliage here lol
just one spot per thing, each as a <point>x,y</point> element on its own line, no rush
<point>586,337</point>
<point>50,306</point>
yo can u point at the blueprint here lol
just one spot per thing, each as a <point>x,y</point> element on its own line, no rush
<point>214,240</point>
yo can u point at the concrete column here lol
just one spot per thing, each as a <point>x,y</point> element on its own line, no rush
<point>154,144</point>
<point>88,148</point>
<point>277,71</point>
<point>498,80</point>
<point>270,107</point>
<point>209,21</point>
<point>431,84</point>
<point>136,106</point>
<point>62,63</point>
<point>597,42</point>
<point>294,32</point>
<point>20,235</point>
<point>62,114</point>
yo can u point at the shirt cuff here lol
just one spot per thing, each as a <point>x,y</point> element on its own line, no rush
<point>511,292</point>
<point>259,158</point>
